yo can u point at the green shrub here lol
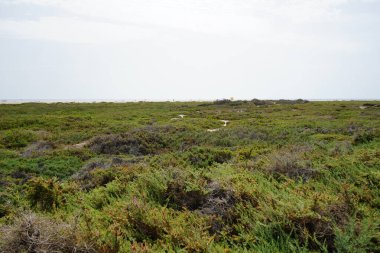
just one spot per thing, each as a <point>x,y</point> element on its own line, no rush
<point>4,204</point>
<point>359,236</point>
<point>363,137</point>
<point>204,157</point>
<point>143,141</point>
<point>17,138</point>
<point>292,165</point>
<point>44,194</point>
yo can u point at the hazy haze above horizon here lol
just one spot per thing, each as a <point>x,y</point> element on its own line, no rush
<point>189,49</point>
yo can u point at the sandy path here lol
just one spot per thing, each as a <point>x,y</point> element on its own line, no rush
<point>225,122</point>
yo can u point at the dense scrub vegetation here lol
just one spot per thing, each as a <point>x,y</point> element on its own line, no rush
<point>281,176</point>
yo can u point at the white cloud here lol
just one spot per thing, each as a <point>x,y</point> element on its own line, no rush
<point>286,22</point>
<point>72,30</point>
<point>297,10</point>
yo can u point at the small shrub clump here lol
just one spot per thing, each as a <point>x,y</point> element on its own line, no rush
<point>35,234</point>
<point>139,142</point>
<point>204,157</point>
<point>290,164</point>
<point>17,138</point>
<point>44,194</point>
<point>38,149</point>
<point>363,137</point>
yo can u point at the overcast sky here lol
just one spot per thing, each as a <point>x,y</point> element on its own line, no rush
<point>189,49</point>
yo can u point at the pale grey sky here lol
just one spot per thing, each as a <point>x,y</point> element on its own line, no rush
<point>189,49</point>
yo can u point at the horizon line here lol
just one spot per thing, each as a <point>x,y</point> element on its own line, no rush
<point>48,101</point>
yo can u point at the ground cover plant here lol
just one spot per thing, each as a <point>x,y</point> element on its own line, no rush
<point>279,176</point>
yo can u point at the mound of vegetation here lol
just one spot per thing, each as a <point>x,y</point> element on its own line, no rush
<point>38,148</point>
<point>281,102</point>
<point>32,233</point>
<point>146,141</point>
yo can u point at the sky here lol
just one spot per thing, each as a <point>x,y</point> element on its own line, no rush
<point>189,49</point>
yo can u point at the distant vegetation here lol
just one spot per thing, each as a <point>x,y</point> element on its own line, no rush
<point>260,102</point>
<point>280,176</point>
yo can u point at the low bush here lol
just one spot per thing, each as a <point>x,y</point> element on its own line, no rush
<point>91,178</point>
<point>17,138</point>
<point>33,233</point>
<point>222,101</point>
<point>292,165</point>
<point>44,194</point>
<point>358,236</point>
<point>52,166</point>
<point>145,141</point>
<point>261,102</point>
<point>38,148</point>
<point>5,204</point>
<point>205,157</point>
<point>181,198</point>
<point>362,137</point>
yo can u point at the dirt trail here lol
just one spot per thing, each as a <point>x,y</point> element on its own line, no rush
<point>225,122</point>
<point>81,144</point>
<point>78,145</point>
